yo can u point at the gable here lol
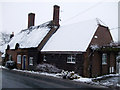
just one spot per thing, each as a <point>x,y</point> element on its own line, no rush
<point>74,37</point>
<point>30,38</point>
<point>102,36</point>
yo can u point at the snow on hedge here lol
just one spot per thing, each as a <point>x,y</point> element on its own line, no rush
<point>47,68</point>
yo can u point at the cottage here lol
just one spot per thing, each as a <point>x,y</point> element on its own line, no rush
<point>84,47</point>
<point>25,47</point>
<point>79,46</point>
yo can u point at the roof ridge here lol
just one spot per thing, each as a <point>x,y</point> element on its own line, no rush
<point>37,26</point>
<point>98,22</point>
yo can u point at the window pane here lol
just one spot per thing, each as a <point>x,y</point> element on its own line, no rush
<point>44,58</point>
<point>104,58</point>
<point>10,57</point>
<point>31,61</point>
<point>71,59</point>
<point>19,59</point>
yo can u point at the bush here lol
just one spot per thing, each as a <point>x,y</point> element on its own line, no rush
<point>47,68</point>
<point>69,75</point>
<point>10,64</point>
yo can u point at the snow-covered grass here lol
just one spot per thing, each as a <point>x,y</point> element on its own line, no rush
<point>106,76</point>
<point>118,85</point>
<point>86,80</point>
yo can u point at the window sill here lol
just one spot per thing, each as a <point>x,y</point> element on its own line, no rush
<point>71,62</point>
<point>104,63</point>
<point>18,63</point>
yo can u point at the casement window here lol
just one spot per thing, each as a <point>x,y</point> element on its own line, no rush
<point>71,59</point>
<point>19,59</point>
<point>104,58</point>
<point>44,58</point>
<point>31,61</point>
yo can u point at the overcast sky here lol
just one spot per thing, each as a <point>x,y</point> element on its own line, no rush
<point>14,15</point>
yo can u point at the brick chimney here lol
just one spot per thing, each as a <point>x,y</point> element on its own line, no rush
<point>56,15</point>
<point>31,19</point>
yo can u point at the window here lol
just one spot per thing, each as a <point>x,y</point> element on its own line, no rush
<point>10,57</point>
<point>31,61</point>
<point>111,69</point>
<point>19,59</point>
<point>71,59</point>
<point>104,58</point>
<point>44,58</point>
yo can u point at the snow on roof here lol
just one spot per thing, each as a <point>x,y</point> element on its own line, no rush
<point>31,37</point>
<point>74,37</point>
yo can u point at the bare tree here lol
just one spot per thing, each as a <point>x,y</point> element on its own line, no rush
<point>4,38</point>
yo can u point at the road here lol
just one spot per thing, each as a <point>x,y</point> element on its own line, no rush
<point>16,80</point>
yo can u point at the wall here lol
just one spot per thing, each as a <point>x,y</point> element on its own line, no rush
<point>0,58</point>
<point>36,58</point>
<point>14,54</point>
<point>60,61</point>
<point>96,64</point>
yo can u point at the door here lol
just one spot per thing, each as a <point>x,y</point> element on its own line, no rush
<point>24,62</point>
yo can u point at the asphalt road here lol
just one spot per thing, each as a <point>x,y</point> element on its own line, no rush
<point>16,80</point>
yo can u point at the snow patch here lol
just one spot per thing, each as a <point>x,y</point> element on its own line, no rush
<point>86,80</point>
<point>94,47</point>
<point>118,85</point>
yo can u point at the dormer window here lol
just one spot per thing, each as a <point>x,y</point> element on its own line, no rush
<point>17,46</point>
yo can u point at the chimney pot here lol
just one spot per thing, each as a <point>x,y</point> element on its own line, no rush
<point>12,35</point>
<point>31,19</point>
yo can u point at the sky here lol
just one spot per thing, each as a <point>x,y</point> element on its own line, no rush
<point>14,13</point>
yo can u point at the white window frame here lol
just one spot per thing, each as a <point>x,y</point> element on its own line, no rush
<point>30,60</point>
<point>19,59</point>
<point>104,58</point>
<point>71,59</point>
<point>111,69</point>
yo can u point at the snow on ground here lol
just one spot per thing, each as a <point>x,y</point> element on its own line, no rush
<point>86,80</point>
<point>100,80</point>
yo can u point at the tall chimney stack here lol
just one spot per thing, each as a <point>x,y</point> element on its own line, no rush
<point>56,15</point>
<point>31,19</point>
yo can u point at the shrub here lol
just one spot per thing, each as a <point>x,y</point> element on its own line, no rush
<point>47,68</point>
